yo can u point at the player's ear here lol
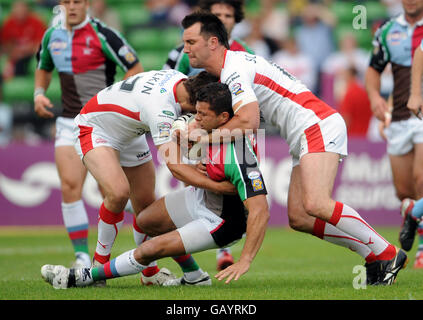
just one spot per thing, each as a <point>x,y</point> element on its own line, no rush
<point>224,117</point>
<point>213,42</point>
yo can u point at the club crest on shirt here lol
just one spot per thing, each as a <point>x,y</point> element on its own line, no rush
<point>236,89</point>
<point>127,54</point>
<point>256,180</point>
<point>164,129</point>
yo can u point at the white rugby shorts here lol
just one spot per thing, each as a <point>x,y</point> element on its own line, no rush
<point>328,135</point>
<point>135,153</point>
<point>195,223</point>
<point>65,132</point>
<point>403,135</point>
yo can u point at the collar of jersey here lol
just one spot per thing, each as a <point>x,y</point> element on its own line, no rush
<point>401,20</point>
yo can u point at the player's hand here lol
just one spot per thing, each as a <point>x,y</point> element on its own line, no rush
<point>233,272</point>
<point>415,104</point>
<point>381,129</point>
<point>201,167</point>
<point>379,107</point>
<point>41,103</point>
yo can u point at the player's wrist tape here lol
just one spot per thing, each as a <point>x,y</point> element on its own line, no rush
<point>39,91</point>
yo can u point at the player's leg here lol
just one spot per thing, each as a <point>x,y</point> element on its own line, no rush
<point>72,175</point>
<point>103,164</point>
<point>299,220</point>
<point>317,174</point>
<point>142,180</point>
<point>402,175</point>
<point>155,220</point>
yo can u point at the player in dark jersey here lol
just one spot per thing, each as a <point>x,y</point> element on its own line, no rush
<point>85,53</point>
<point>395,43</point>
<point>192,220</point>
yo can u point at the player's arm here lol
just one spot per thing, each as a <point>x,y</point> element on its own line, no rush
<point>170,153</point>
<point>137,68</point>
<point>378,104</point>
<point>42,79</point>
<point>378,61</point>
<point>415,101</point>
<point>258,217</point>
<point>116,49</point>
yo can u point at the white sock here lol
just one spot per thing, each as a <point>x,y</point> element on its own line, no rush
<point>349,221</point>
<point>140,237</point>
<point>108,227</point>
<point>332,234</point>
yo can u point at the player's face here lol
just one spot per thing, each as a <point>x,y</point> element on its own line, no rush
<point>196,46</point>
<point>413,8</point>
<point>76,11</point>
<point>226,14</point>
<point>206,118</point>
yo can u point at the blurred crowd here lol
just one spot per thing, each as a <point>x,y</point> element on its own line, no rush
<point>302,36</point>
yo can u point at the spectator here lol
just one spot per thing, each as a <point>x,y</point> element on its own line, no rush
<point>110,17</point>
<point>20,37</point>
<point>256,40</point>
<point>296,63</point>
<point>316,28</point>
<point>334,67</point>
<point>355,105</point>
<point>165,12</point>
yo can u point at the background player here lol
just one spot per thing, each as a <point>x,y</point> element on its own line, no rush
<point>404,132</point>
<point>315,132</point>
<point>186,221</point>
<point>413,213</point>
<point>85,53</point>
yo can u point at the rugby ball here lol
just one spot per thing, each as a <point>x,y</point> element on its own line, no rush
<point>181,123</point>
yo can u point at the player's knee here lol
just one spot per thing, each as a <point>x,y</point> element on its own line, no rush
<point>71,188</point>
<point>117,195</point>
<point>296,223</point>
<point>315,207</point>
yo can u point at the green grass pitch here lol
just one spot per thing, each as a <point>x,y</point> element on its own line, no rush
<point>289,266</point>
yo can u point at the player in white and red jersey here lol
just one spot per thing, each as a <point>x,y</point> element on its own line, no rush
<point>315,132</point>
<point>109,127</point>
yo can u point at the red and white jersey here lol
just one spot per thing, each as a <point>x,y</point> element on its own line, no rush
<point>284,101</point>
<point>145,102</point>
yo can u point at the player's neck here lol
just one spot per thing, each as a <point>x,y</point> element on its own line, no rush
<point>216,64</point>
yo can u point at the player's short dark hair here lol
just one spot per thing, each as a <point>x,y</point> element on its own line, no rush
<point>194,83</point>
<point>210,26</point>
<point>219,97</point>
<point>238,6</point>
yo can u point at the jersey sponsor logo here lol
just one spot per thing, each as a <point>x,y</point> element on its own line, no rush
<point>164,129</point>
<point>236,89</point>
<point>57,46</point>
<point>168,113</point>
<point>396,37</point>
<point>163,90</point>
